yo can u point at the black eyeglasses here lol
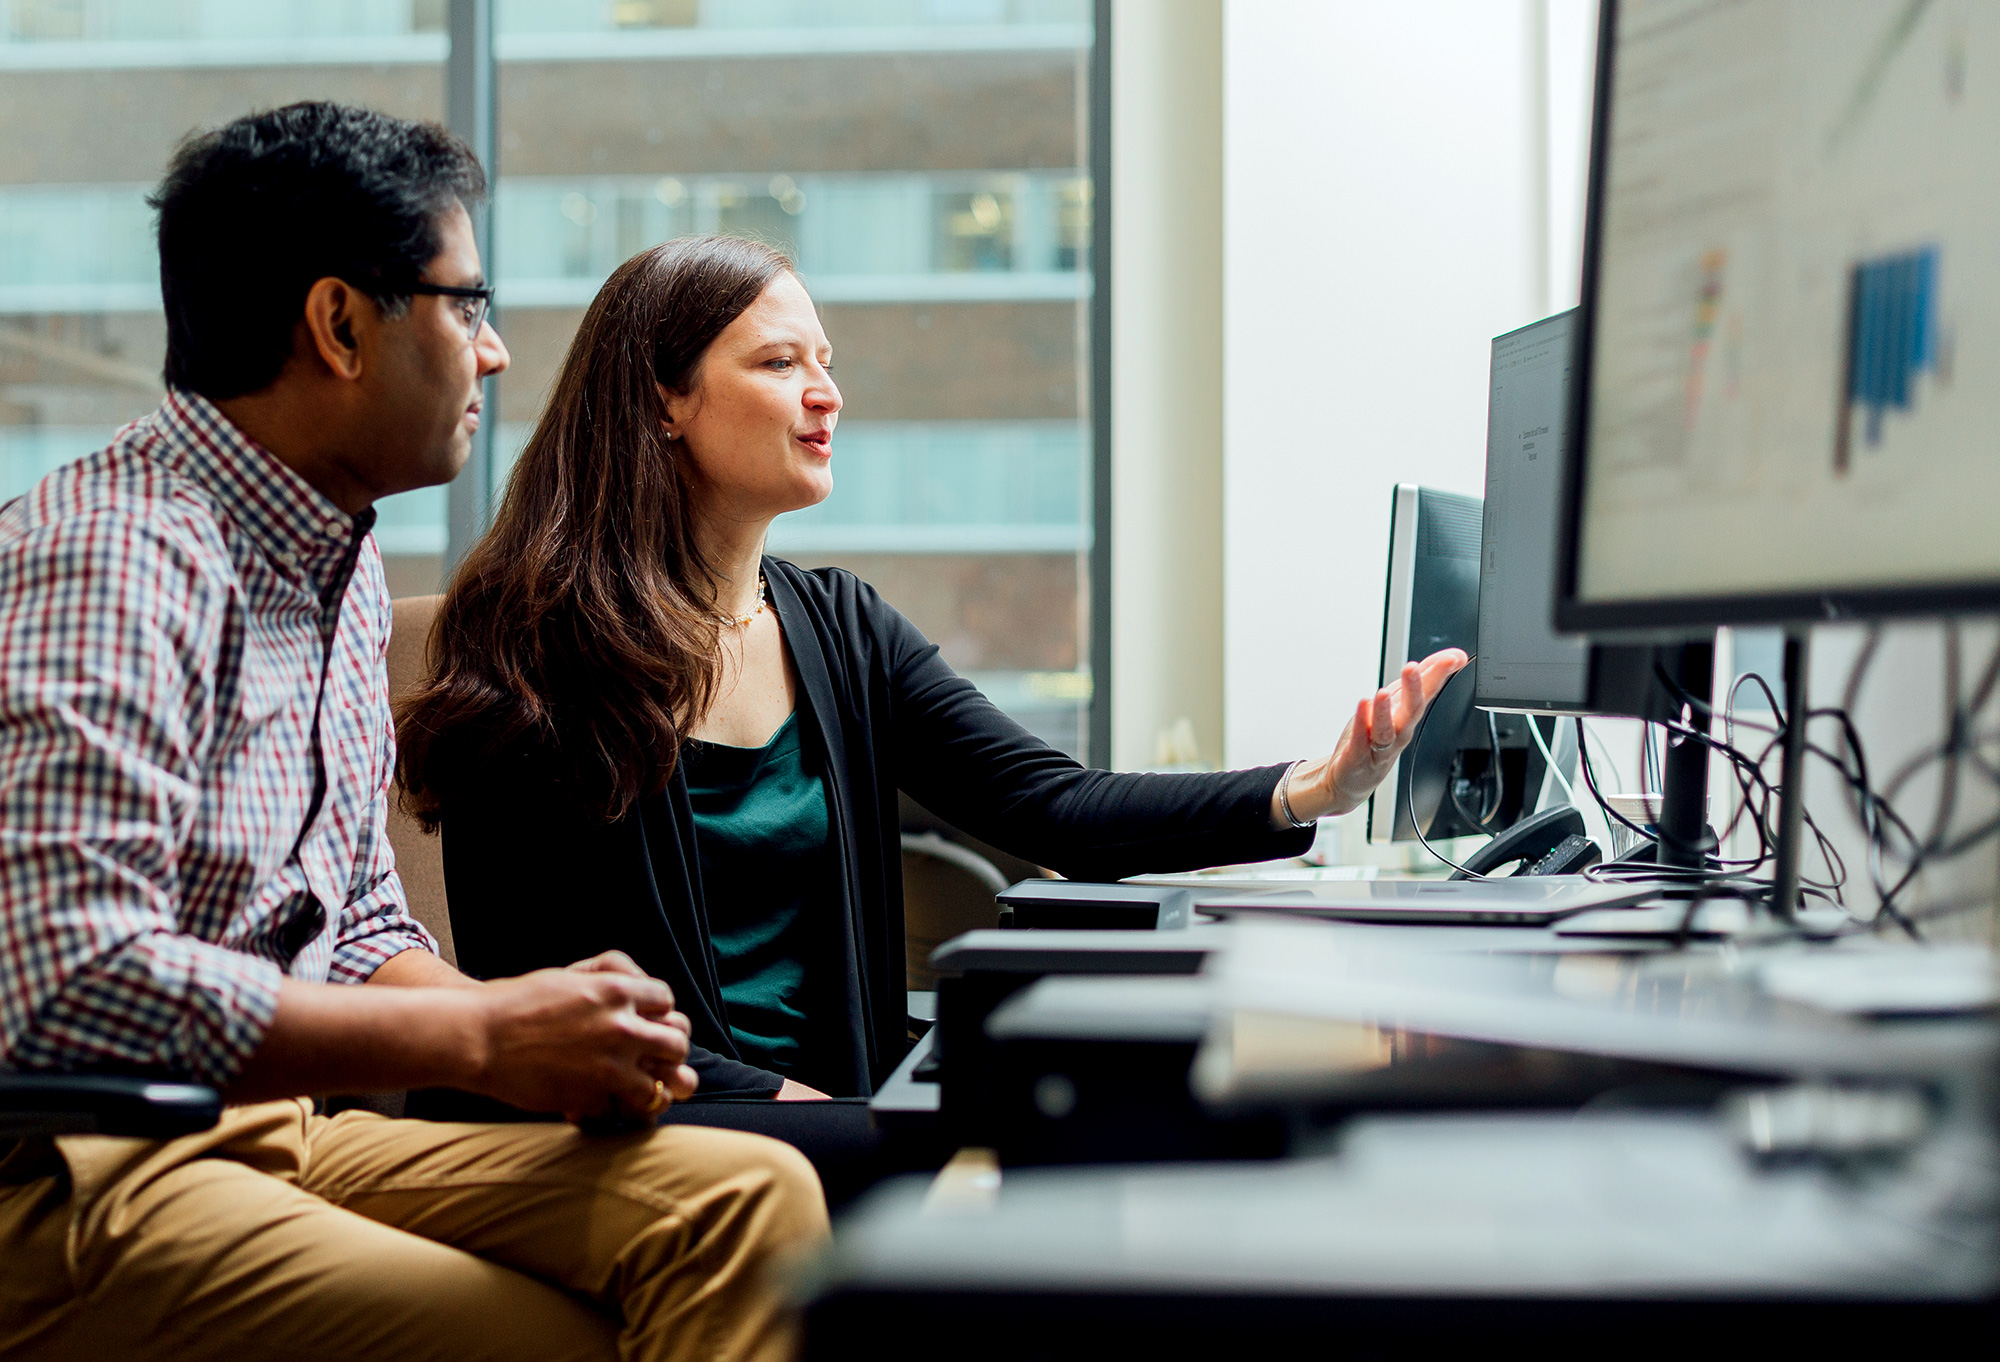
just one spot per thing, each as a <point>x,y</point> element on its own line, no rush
<point>473,303</point>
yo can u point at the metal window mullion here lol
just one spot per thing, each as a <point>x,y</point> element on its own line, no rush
<point>470,111</point>
<point>1098,749</point>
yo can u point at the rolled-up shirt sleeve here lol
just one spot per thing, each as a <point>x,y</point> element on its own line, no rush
<point>374,929</point>
<point>109,624</point>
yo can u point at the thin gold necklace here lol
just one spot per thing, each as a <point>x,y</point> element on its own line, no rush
<point>743,621</point>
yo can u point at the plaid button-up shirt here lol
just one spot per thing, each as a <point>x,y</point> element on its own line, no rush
<point>165,608</point>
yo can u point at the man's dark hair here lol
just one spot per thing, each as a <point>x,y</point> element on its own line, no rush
<point>253,213</point>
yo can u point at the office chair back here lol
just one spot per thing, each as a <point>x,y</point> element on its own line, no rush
<point>419,859</point>
<point>947,891</point>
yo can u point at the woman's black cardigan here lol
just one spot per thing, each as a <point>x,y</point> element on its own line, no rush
<point>533,882</point>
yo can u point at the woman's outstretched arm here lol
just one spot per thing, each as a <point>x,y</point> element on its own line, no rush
<point>959,756</point>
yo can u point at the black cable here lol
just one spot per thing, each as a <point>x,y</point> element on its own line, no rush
<point>1590,781</point>
<point>1882,826</point>
<point>1751,781</point>
<point>1767,836</point>
<point>1636,870</point>
<point>1724,875</point>
<point>1871,642</point>
<point>1885,831</point>
<point>1861,796</point>
<point>1499,778</point>
<point>1961,746</point>
<point>1956,722</point>
<point>1749,775</point>
<point>1983,692</point>
<point>1747,804</point>
<point>1646,772</point>
<point>1868,808</point>
<point>1740,760</point>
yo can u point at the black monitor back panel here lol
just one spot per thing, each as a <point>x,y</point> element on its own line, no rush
<point>1448,775</point>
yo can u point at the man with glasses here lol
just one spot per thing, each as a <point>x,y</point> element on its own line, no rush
<point>195,754</point>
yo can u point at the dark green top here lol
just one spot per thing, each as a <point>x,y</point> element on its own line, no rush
<point>761,837</point>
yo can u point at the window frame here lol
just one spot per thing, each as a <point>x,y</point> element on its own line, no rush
<point>471,80</point>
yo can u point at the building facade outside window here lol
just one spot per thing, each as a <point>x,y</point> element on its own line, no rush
<point>924,161</point>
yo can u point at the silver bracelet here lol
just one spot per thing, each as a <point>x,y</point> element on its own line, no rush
<point>1285,797</point>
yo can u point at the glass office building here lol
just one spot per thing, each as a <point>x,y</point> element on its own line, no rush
<point>925,161</point>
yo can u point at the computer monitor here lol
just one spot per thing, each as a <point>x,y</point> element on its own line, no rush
<point>1522,664</point>
<point>1469,771</point>
<point>1788,378</point>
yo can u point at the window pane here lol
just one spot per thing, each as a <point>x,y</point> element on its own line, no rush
<point>924,162</point>
<point>94,94</point>
<point>921,159</point>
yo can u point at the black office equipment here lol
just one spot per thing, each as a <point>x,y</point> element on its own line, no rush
<point>83,1104</point>
<point>980,970</point>
<point>1095,1070</point>
<point>1653,1233</point>
<point>1551,842</point>
<point>1291,1028</point>
<point>1077,905</point>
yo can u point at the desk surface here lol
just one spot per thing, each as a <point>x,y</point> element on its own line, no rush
<point>1568,1207</point>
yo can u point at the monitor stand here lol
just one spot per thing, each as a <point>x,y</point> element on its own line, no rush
<point>1685,839</point>
<point>1791,782</point>
<point>1682,838</point>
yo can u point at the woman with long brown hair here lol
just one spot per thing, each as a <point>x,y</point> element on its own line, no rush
<point>643,734</point>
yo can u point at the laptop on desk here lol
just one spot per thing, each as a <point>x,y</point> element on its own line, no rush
<point>1520,901</point>
<point>1258,876</point>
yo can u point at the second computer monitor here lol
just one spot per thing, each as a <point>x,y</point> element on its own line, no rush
<point>1523,666</point>
<point>1467,772</point>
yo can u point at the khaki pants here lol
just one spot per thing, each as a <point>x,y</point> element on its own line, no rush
<point>284,1235</point>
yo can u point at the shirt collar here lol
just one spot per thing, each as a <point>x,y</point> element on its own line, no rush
<point>295,526</point>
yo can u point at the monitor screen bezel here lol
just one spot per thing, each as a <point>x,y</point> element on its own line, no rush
<point>1680,617</point>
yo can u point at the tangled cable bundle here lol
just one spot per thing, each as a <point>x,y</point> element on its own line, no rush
<point>1890,837</point>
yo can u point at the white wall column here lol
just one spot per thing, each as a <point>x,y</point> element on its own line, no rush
<point>1167,366</point>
